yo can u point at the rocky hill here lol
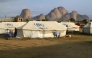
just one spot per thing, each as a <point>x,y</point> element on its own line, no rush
<point>26,14</point>
<point>75,15</point>
<point>39,17</point>
<point>59,13</point>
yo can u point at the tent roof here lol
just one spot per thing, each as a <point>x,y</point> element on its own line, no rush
<point>55,25</point>
<point>88,25</point>
<point>69,24</point>
<point>11,25</point>
<point>46,25</point>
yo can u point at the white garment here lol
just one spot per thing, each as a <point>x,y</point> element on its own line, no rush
<point>58,33</point>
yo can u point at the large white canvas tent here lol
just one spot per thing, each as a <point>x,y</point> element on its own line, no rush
<point>70,26</point>
<point>88,28</point>
<point>40,29</point>
<point>5,26</point>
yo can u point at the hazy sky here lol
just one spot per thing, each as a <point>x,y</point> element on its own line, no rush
<point>14,7</point>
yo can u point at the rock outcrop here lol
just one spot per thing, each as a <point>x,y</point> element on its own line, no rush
<point>57,13</point>
<point>39,17</point>
<point>62,10</point>
<point>81,17</point>
<point>66,16</point>
<point>26,14</point>
<point>74,14</point>
<point>60,13</point>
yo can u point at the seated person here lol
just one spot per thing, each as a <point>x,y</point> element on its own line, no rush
<point>10,34</point>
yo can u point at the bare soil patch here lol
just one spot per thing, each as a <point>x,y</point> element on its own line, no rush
<point>78,46</point>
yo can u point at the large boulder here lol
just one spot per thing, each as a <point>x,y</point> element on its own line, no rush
<point>62,10</point>
<point>60,13</point>
<point>26,14</point>
<point>66,16</point>
<point>54,14</point>
<point>74,15</point>
<point>39,17</point>
<point>82,17</point>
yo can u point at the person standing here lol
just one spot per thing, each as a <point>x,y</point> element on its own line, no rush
<point>54,33</point>
<point>58,34</point>
<point>15,32</point>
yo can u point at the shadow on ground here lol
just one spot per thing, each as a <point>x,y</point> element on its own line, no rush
<point>69,50</point>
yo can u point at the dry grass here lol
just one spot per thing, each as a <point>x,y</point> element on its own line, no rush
<point>78,46</point>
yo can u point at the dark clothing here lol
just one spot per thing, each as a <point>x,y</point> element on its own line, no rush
<point>54,33</point>
<point>15,33</point>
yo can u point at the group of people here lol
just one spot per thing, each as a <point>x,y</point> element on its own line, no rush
<point>12,33</point>
<point>56,33</point>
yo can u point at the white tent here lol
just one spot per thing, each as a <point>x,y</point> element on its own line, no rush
<point>41,29</point>
<point>70,26</point>
<point>4,26</point>
<point>88,28</point>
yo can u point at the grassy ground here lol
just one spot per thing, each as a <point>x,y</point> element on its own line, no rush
<point>78,46</point>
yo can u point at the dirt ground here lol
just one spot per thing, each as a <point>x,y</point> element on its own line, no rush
<point>78,46</point>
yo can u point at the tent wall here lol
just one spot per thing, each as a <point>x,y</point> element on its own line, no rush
<point>35,34</point>
<point>47,33</point>
<point>86,30</point>
<point>41,29</point>
<point>10,25</point>
<point>73,29</point>
<point>63,33</point>
<point>27,33</point>
<point>90,30</point>
<point>3,31</point>
<point>32,34</point>
<point>38,34</point>
<point>20,33</point>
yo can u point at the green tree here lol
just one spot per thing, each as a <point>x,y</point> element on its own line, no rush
<point>46,18</point>
<point>58,21</point>
<point>43,20</point>
<point>27,20</point>
<point>72,20</point>
<point>85,21</point>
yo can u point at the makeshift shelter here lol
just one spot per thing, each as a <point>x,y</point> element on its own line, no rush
<point>40,29</point>
<point>70,26</point>
<point>5,26</point>
<point>87,29</point>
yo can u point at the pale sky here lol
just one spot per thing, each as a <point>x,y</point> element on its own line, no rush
<point>14,7</point>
